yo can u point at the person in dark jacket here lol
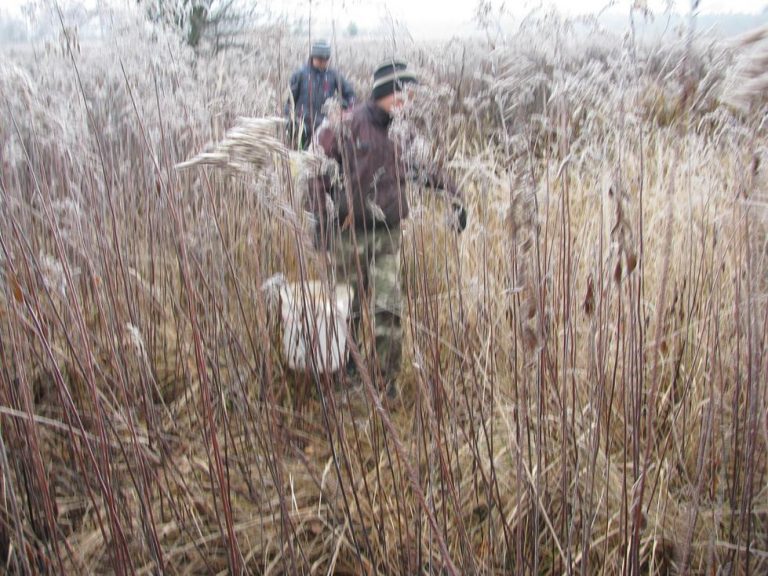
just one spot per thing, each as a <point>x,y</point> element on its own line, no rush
<point>311,86</point>
<point>359,210</point>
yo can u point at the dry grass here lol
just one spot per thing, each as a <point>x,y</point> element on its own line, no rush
<point>584,381</point>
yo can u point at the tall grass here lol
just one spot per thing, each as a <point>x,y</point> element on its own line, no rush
<point>583,388</point>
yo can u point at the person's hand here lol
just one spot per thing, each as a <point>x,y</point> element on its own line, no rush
<point>459,220</point>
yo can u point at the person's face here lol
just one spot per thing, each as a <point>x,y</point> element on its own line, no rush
<point>404,98</point>
<point>396,101</point>
<point>320,63</point>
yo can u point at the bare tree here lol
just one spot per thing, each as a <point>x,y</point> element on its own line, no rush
<point>220,22</point>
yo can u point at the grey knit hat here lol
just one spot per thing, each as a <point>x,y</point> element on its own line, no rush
<point>390,76</point>
<point>320,49</point>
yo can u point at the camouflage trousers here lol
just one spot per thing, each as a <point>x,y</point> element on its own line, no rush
<point>369,262</point>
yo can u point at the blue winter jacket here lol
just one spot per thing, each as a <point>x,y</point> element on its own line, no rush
<point>310,88</point>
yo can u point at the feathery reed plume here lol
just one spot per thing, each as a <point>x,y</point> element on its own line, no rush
<point>747,85</point>
<point>249,148</point>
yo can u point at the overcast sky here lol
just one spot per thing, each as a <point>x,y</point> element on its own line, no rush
<point>422,9</point>
<point>433,16</point>
<point>443,17</point>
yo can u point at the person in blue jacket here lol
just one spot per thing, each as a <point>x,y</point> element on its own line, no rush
<point>311,85</point>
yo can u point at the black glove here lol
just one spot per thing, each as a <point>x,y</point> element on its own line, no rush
<point>459,216</point>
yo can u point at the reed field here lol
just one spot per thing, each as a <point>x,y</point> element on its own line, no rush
<point>583,388</point>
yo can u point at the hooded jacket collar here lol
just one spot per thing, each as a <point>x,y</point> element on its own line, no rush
<point>379,117</point>
<point>312,68</point>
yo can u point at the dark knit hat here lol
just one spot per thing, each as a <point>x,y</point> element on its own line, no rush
<point>320,49</point>
<point>391,76</point>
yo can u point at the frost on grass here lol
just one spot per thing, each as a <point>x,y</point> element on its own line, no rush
<point>52,272</point>
<point>530,357</point>
<point>747,84</point>
<point>248,147</point>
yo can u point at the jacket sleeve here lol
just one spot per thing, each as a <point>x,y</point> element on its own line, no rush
<point>437,179</point>
<point>433,175</point>
<point>295,87</point>
<point>321,185</point>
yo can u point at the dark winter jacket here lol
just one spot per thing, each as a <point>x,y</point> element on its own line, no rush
<point>371,190</point>
<point>310,88</point>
